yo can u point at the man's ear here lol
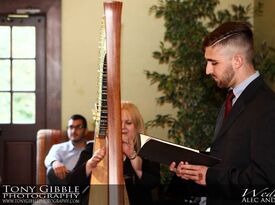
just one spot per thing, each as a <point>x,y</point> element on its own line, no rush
<point>237,61</point>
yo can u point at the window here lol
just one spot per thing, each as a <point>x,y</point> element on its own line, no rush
<point>17,74</point>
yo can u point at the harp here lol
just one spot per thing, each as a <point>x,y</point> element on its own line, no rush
<point>107,182</point>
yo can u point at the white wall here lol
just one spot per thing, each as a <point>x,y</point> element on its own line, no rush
<point>141,34</point>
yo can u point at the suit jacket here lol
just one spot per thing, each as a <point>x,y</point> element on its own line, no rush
<point>246,144</point>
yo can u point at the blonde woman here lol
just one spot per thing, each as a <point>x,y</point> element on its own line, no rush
<point>140,175</point>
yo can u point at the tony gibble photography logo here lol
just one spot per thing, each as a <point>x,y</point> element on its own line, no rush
<point>38,194</point>
<point>259,196</point>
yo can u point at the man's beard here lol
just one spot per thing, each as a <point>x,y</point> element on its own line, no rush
<point>78,140</point>
<point>226,78</point>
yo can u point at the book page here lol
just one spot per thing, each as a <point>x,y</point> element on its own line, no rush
<point>145,138</point>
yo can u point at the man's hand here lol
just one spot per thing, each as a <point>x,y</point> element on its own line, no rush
<point>59,169</point>
<point>197,173</point>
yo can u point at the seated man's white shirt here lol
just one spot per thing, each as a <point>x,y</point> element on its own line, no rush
<point>65,153</point>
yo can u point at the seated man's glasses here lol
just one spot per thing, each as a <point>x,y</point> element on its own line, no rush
<point>77,127</point>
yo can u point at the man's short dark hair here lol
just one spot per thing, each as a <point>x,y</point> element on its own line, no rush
<point>79,117</point>
<point>234,33</point>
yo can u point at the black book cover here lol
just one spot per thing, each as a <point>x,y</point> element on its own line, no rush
<point>165,152</point>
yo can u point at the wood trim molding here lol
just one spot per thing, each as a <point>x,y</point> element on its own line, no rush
<point>53,66</point>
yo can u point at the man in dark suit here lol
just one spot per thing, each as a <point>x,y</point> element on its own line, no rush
<point>245,136</point>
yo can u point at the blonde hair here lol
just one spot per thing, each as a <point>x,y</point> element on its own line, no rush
<point>136,118</point>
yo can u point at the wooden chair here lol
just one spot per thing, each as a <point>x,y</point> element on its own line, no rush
<point>45,139</point>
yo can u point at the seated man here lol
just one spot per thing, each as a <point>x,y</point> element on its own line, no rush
<point>63,157</point>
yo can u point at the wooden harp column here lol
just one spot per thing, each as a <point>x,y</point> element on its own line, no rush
<point>113,25</point>
<point>107,182</point>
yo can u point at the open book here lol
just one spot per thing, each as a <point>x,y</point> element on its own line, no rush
<point>165,152</point>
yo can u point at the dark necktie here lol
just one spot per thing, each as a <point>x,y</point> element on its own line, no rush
<point>228,102</point>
